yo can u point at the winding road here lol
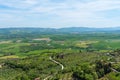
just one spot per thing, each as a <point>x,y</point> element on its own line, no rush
<point>115,70</point>
<point>62,67</point>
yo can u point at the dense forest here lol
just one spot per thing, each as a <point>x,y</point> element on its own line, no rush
<point>59,54</point>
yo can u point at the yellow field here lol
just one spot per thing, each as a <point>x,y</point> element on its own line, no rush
<point>84,44</point>
<point>9,57</point>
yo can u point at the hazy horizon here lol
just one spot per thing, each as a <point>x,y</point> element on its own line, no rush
<point>59,13</point>
<point>65,27</point>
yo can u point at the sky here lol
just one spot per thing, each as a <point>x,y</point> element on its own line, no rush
<point>59,13</point>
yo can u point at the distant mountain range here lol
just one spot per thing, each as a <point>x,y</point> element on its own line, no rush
<point>79,29</point>
<point>65,30</point>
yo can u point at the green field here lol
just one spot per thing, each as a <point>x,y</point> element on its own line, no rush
<point>31,55</point>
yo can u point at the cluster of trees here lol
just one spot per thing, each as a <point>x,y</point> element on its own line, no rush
<point>31,67</point>
<point>33,47</point>
<point>102,68</point>
<point>84,72</point>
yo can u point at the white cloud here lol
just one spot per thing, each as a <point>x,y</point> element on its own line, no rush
<point>61,13</point>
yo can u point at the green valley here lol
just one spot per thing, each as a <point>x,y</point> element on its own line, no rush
<point>59,54</point>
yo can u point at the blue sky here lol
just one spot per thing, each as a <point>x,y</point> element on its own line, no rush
<point>59,13</point>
